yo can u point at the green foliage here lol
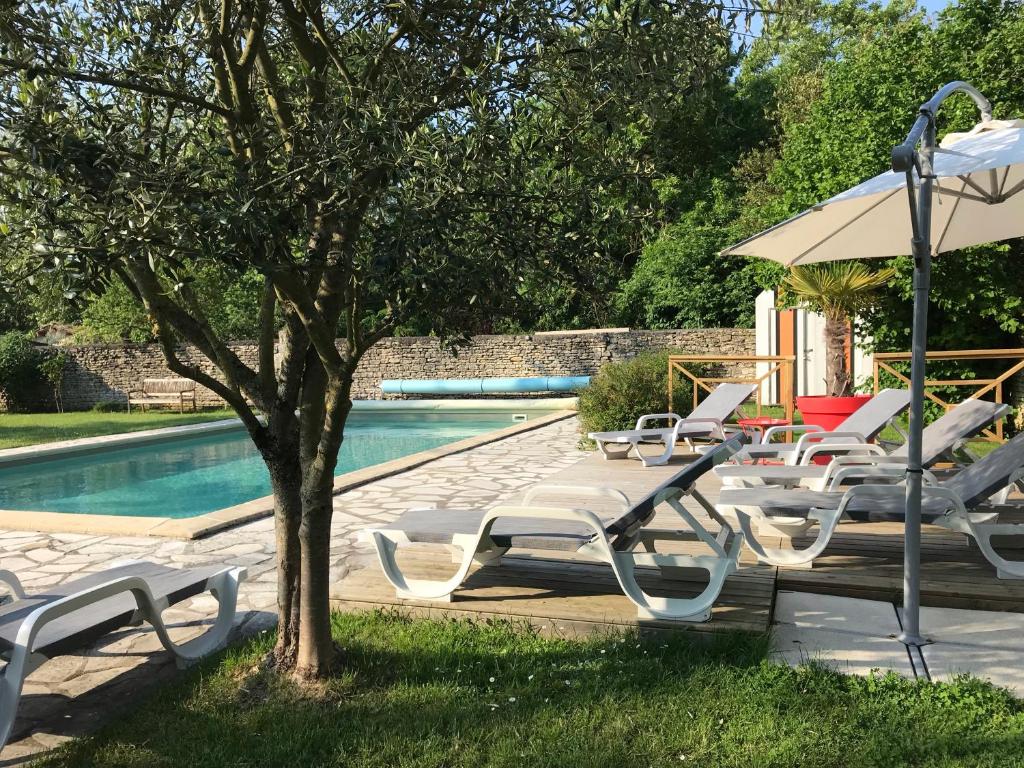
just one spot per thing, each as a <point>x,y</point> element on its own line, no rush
<point>19,370</point>
<point>839,290</point>
<point>114,316</point>
<point>421,694</point>
<point>681,281</point>
<point>109,406</point>
<point>622,392</point>
<point>53,366</point>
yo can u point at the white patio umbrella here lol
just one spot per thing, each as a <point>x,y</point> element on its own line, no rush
<point>968,190</point>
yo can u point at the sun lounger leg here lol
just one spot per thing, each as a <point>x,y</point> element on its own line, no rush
<point>827,520</point>
<point>386,543</point>
<point>982,534</point>
<point>11,683</point>
<point>621,451</point>
<point>224,587</point>
<point>656,461</point>
<point>675,567</point>
<point>695,609</point>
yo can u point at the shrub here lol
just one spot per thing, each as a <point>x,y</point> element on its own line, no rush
<point>622,392</point>
<point>19,370</point>
<point>108,406</point>
<point>52,367</point>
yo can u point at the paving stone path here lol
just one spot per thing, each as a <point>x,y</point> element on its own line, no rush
<point>71,695</point>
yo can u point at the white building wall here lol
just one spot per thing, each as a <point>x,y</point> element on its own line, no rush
<point>810,349</point>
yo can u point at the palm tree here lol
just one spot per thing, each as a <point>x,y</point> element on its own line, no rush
<point>839,290</point>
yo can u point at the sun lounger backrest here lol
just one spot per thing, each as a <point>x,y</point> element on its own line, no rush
<point>722,401</point>
<point>682,480</point>
<point>871,418</point>
<point>976,482</point>
<point>963,421</point>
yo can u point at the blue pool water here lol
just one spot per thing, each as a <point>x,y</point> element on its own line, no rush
<point>184,477</point>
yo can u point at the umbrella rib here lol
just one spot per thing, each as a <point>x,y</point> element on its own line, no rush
<point>835,232</point>
<point>976,187</point>
<point>961,194</point>
<point>1013,190</point>
<point>1002,184</point>
<point>949,221</point>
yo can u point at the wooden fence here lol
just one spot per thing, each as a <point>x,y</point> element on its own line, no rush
<point>778,365</point>
<point>883,362</point>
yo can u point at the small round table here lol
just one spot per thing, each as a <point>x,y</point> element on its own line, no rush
<point>755,427</point>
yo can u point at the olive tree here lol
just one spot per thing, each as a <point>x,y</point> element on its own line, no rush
<point>362,158</point>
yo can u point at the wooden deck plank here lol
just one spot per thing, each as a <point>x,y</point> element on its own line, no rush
<point>548,592</point>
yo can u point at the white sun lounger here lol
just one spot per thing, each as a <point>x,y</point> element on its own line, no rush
<point>70,616</point>
<point>960,503</point>
<point>484,536</point>
<point>706,421</point>
<point>860,427</point>
<point>942,440</point>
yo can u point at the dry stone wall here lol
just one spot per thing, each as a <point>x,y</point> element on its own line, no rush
<point>104,373</point>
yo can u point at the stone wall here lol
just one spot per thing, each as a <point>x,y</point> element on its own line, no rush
<point>107,372</point>
<point>540,354</point>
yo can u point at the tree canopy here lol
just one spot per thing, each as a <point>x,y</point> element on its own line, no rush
<point>358,168</point>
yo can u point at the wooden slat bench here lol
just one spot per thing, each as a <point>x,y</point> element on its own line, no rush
<point>170,392</point>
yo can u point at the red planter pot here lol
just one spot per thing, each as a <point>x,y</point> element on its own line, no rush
<point>828,412</point>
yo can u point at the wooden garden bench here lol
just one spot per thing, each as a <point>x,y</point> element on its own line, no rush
<point>170,392</point>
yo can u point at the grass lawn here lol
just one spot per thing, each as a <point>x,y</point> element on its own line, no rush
<point>17,429</point>
<point>416,694</point>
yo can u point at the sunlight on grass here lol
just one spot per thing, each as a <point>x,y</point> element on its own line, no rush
<point>419,693</point>
<point>18,429</point>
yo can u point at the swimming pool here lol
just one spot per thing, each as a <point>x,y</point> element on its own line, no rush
<point>182,477</point>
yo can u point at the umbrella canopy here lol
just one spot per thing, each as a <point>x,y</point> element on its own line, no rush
<point>978,198</point>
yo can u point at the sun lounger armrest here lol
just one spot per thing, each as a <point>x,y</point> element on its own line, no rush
<point>892,472</point>
<point>878,492</point>
<point>719,427</point>
<point>943,492</point>
<point>854,447</point>
<point>43,615</point>
<point>814,437</point>
<point>593,491</point>
<point>62,607</point>
<point>13,583</point>
<point>642,421</point>
<point>788,429</point>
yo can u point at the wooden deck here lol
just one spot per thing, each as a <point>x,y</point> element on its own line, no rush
<point>866,560</point>
<point>566,594</point>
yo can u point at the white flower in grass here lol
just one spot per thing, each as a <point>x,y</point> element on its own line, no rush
<point>530,677</point>
<point>491,679</point>
<point>511,699</point>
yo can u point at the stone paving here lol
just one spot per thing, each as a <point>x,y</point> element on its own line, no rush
<point>71,695</point>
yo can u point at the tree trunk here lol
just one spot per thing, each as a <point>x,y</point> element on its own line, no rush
<point>837,378</point>
<point>316,651</point>
<point>286,481</point>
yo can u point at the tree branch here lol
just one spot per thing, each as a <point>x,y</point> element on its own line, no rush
<point>104,78</point>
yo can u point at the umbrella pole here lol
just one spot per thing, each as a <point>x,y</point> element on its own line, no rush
<point>912,533</point>
<point>906,159</point>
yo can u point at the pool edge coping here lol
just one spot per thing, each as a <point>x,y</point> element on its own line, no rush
<point>200,526</point>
